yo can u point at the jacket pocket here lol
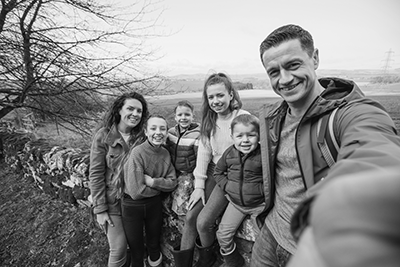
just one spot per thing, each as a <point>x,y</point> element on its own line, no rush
<point>113,158</point>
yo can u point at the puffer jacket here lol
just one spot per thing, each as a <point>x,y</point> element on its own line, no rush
<point>240,176</point>
<point>107,150</point>
<point>366,133</point>
<point>183,148</point>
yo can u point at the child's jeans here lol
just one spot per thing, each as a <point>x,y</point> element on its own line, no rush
<point>230,222</point>
<point>137,214</point>
<point>206,221</point>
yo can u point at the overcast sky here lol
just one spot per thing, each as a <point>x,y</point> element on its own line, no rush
<point>224,35</point>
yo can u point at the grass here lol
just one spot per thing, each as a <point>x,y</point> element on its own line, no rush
<point>36,230</point>
<point>58,136</point>
<point>166,106</point>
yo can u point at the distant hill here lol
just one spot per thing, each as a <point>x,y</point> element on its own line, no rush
<point>366,73</point>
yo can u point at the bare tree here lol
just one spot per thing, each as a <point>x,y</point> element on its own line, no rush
<point>62,58</point>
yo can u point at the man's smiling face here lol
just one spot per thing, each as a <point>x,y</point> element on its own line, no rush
<point>292,72</point>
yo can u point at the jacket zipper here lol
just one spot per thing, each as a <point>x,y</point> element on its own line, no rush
<point>295,142</point>
<point>241,180</point>
<point>176,147</point>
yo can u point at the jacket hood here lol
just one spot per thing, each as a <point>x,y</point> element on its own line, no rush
<point>338,92</point>
<point>337,89</point>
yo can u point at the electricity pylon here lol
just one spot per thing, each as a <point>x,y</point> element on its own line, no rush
<point>386,65</point>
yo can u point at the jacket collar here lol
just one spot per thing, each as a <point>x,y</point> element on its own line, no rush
<point>113,138</point>
<point>245,156</point>
<point>192,126</point>
<point>151,148</point>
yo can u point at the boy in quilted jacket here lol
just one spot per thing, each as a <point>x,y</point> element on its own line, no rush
<point>182,143</point>
<point>239,174</point>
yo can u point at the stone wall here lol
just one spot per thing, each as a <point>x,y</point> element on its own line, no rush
<point>63,173</point>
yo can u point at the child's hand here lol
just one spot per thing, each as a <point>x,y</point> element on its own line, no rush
<point>148,180</point>
<point>197,194</point>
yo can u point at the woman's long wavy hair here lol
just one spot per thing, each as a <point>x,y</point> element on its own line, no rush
<point>137,136</point>
<point>112,117</point>
<point>209,117</point>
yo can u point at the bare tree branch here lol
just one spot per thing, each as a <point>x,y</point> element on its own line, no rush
<point>64,59</point>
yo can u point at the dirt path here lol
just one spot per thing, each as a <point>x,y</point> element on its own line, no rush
<point>36,230</point>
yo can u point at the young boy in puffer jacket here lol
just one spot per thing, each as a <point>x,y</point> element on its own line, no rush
<point>239,174</point>
<point>182,143</point>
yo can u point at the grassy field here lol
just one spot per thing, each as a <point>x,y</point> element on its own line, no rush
<point>165,106</point>
<point>62,137</point>
<point>253,104</point>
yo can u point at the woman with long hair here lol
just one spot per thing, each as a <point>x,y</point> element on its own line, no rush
<point>121,130</point>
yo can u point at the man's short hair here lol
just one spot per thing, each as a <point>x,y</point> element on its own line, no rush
<point>287,33</point>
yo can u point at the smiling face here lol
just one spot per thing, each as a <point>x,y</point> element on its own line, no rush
<point>183,116</point>
<point>131,114</point>
<point>219,98</point>
<point>156,131</point>
<point>292,73</point>
<point>245,137</point>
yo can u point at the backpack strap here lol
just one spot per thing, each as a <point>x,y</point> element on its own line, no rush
<point>326,138</point>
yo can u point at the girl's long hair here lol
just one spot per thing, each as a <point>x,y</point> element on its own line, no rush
<point>209,117</point>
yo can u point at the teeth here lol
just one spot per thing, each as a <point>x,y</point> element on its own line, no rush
<point>289,88</point>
